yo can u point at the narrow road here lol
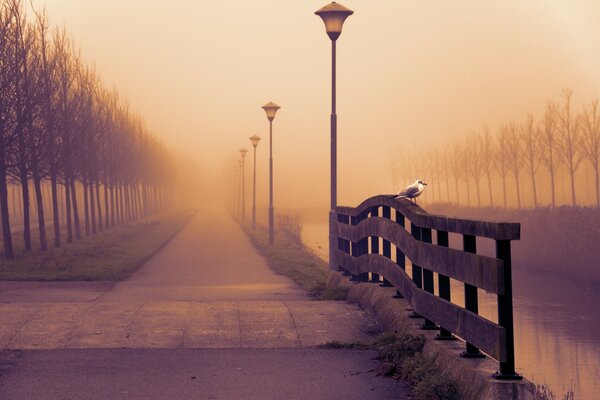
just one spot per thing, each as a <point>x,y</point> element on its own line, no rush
<point>205,318</point>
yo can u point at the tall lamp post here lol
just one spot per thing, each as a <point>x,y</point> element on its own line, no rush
<point>254,139</point>
<point>333,16</point>
<point>239,189</point>
<point>271,108</point>
<point>243,153</point>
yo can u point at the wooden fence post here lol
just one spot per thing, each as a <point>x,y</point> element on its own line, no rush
<point>471,301</point>
<point>505,313</point>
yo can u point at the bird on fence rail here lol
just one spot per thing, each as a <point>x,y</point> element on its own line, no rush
<point>412,191</point>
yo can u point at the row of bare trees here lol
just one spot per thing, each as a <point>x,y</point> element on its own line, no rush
<point>529,153</point>
<point>60,127</point>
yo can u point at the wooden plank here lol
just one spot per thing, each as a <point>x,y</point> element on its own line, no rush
<point>484,334</point>
<point>481,271</point>
<point>491,229</point>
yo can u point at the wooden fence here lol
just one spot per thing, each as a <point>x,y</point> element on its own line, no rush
<point>410,229</point>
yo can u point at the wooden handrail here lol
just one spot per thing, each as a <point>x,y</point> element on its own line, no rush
<point>420,217</point>
<point>353,228</point>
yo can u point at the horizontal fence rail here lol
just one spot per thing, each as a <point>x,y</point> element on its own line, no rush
<point>358,231</point>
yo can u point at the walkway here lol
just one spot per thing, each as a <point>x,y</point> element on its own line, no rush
<point>205,318</point>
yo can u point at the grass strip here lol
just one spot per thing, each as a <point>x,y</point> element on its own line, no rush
<point>290,258</point>
<point>110,255</point>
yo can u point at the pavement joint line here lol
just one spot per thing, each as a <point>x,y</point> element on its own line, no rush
<point>295,324</point>
<point>132,321</point>
<point>186,324</point>
<point>239,318</point>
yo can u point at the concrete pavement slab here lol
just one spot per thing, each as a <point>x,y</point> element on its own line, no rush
<point>148,374</point>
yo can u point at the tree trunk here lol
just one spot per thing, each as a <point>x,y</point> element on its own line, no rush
<point>478,194</point>
<point>26,210</point>
<point>40,212</point>
<point>106,211</point>
<point>468,193</point>
<point>86,208</point>
<point>68,212</point>
<point>99,206</point>
<point>553,189</point>
<point>92,209</point>
<point>518,190</point>
<point>121,205</point>
<point>504,190</point>
<point>489,179</point>
<point>139,201</point>
<point>55,215</point>
<point>112,205</point>
<point>75,211</point>
<point>9,252</point>
<point>457,197</point>
<point>572,173</point>
<point>596,170</point>
<point>535,200</point>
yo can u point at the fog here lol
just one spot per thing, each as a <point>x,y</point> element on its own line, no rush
<point>410,74</point>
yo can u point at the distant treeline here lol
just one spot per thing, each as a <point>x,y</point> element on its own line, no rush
<point>516,161</point>
<point>62,130</point>
<point>563,240</point>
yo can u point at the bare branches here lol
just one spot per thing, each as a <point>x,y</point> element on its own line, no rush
<point>59,124</point>
<point>570,137</point>
<point>590,140</point>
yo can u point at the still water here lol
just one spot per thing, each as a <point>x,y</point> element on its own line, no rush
<point>557,325</point>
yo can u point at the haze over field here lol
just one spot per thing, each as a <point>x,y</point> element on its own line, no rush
<point>409,73</point>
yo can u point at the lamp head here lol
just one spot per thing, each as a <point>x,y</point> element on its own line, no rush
<point>270,108</point>
<point>255,139</point>
<point>243,153</point>
<point>334,15</point>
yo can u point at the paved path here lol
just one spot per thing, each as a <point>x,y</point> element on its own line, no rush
<point>205,318</point>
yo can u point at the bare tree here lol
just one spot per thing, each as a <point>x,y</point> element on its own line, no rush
<point>445,161</point>
<point>6,124</point>
<point>486,144</point>
<point>530,139</point>
<point>570,138</point>
<point>474,161</point>
<point>548,142</point>
<point>514,155</point>
<point>591,140</point>
<point>501,159</point>
<point>456,168</point>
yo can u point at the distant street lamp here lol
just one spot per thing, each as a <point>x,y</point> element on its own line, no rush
<point>239,189</point>
<point>254,139</point>
<point>271,108</point>
<point>243,153</point>
<point>333,16</point>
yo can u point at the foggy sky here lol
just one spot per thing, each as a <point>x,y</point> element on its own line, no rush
<point>410,73</point>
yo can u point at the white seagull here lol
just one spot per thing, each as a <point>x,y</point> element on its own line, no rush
<point>412,191</point>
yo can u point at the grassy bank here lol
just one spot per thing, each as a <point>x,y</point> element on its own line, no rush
<point>289,257</point>
<point>110,255</point>
<point>402,358</point>
<point>562,240</point>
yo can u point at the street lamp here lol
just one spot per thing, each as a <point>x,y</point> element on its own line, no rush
<point>239,189</point>
<point>271,108</point>
<point>243,153</point>
<point>333,16</point>
<point>254,139</point>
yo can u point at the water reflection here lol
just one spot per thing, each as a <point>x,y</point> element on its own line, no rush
<point>557,329</point>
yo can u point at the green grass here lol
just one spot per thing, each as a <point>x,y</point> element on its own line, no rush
<point>401,357</point>
<point>111,255</point>
<point>290,258</point>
